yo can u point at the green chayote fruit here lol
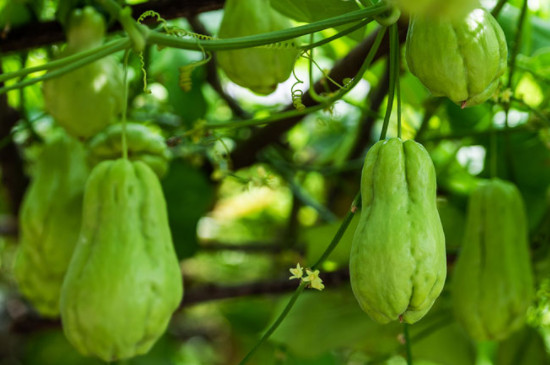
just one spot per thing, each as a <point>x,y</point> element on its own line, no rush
<point>492,283</point>
<point>436,8</point>
<point>258,69</point>
<point>124,280</point>
<point>143,145</point>
<point>86,100</point>
<point>50,222</point>
<point>460,58</point>
<point>397,260</point>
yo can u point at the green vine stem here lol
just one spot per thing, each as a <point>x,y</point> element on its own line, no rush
<point>65,60</point>
<point>294,113</point>
<point>512,69</point>
<point>394,48</point>
<point>517,42</point>
<point>101,52</point>
<point>70,63</point>
<point>347,220</point>
<point>407,337</point>
<point>264,38</point>
<point>136,32</point>
<point>355,206</point>
<point>397,70</point>
<point>125,106</point>
<point>344,32</point>
<point>493,153</point>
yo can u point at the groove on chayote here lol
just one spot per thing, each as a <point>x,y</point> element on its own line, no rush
<point>124,280</point>
<point>398,262</point>
<point>461,58</point>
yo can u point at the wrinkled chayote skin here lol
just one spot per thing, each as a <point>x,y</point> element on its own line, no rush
<point>50,222</point>
<point>461,58</point>
<point>143,145</point>
<point>124,280</point>
<point>86,100</point>
<point>492,283</point>
<point>397,262</point>
<point>258,69</point>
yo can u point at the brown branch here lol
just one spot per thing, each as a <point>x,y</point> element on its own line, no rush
<point>28,321</point>
<point>211,292</point>
<point>245,153</point>
<point>42,34</point>
<point>250,247</point>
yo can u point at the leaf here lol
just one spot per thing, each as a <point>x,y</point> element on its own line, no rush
<point>440,339</point>
<point>523,347</point>
<point>453,221</point>
<point>189,195</point>
<point>317,239</point>
<point>536,32</point>
<point>14,13</point>
<point>324,321</point>
<point>188,105</point>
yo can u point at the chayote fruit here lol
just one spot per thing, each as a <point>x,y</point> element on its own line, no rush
<point>436,8</point>
<point>86,100</point>
<point>259,69</point>
<point>143,145</point>
<point>492,283</point>
<point>397,260</point>
<point>124,280</point>
<point>461,58</point>
<point>50,222</point>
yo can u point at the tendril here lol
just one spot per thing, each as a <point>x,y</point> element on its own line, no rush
<point>297,94</point>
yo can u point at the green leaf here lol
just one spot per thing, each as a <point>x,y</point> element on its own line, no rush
<point>14,13</point>
<point>324,321</point>
<point>189,195</point>
<point>523,347</point>
<point>188,105</point>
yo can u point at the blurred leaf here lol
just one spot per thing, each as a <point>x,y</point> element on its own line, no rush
<point>535,35</point>
<point>316,240</point>
<point>453,221</point>
<point>248,315</point>
<point>189,105</point>
<point>452,177</point>
<point>189,195</point>
<point>523,347</point>
<point>14,13</point>
<point>468,119</point>
<point>51,348</point>
<point>324,321</point>
<point>439,338</point>
<point>530,164</point>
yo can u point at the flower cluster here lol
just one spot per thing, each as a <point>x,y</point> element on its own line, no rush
<point>311,277</point>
